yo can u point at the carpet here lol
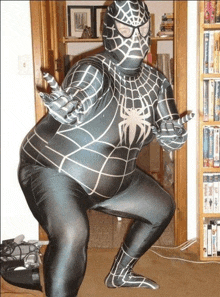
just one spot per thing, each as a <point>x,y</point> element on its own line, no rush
<point>176,278</point>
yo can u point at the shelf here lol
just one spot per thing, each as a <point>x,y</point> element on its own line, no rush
<point>210,123</point>
<point>72,39</point>
<point>210,75</point>
<point>75,40</point>
<point>161,38</point>
<point>210,169</point>
<point>211,215</point>
<point>210,259</point>
<point>202,170</point>
<point>215,26</point>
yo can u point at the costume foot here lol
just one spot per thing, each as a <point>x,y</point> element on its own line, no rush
<point>122,275</point>
<point>130,279</point>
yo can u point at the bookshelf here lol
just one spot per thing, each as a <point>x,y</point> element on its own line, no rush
<point>208,213</point>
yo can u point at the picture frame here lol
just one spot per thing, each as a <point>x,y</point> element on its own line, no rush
<point>78,18</point>
<point>99,13</point>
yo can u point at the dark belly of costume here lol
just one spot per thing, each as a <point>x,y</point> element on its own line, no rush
<point>99,153</point>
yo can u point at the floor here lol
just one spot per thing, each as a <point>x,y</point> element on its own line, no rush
<point>108,231</point>
<point>106,235</point>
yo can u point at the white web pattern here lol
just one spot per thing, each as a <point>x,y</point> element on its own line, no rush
<point>137,96</point>
<point>137,17</point>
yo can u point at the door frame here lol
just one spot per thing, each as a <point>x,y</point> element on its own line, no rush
<point>180,93</point>
<point>40,60</point>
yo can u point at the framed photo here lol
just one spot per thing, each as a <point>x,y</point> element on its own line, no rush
<point>78,18</point>
<point>99,13</point>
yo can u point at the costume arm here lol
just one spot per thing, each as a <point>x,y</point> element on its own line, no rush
<point>169,129</point>
<point>81,88</point>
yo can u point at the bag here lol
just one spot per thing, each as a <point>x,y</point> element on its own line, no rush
<point>20,262</point>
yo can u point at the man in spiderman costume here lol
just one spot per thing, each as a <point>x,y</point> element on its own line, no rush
<point>82,154</point>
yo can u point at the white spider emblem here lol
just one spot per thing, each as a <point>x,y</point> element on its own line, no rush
<point>133,118</point>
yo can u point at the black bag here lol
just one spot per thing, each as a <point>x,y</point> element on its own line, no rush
<point>20,262</point>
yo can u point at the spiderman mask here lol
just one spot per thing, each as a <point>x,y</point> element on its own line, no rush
<point>126,34</point>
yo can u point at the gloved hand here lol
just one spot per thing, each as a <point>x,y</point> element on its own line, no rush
<point>60,104</point>
<point>171,135</point>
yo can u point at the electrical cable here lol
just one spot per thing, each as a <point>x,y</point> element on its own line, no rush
<point>183,246</point>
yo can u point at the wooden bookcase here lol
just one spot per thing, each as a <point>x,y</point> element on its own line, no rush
<point>204,217</point>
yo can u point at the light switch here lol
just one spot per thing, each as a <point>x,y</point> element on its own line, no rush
<point>25,65</point>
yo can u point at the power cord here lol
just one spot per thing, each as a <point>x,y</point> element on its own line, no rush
<point>182,247</point>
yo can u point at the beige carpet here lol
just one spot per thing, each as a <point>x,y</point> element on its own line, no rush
<point>176,278</point>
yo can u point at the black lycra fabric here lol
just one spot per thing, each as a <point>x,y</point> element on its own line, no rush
<point>60,205</point>
<point>82,155</point>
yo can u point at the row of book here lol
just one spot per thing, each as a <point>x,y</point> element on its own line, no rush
<point>166,66</point>
<point>211,238</point>
<point>211,51</point>
<point>211,11</point>
<point>211,146</point>
<point>211,192</point>
<point>167,25</point>
<point>211,100</point>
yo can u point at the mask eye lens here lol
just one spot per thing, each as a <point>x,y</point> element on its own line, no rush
<point>144,29</point>
<point>124,30</point>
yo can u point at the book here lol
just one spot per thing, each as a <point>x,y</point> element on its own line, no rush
<point>216,51</point>
<point>217,101</point>
<point>212,9</point>
<point>218,237</point>
<point>216,147</point>
<point>205,146</point>
<point>206,52</point>
<point>205,100</point>
<point>211,52</point>
<point>216,193</point>
<point>205,193</point>
<point>217,12</point>
<point>167,25</point>
<point>205,240</point>
<point>211,147</point>
<point>211,59</point>
<point>165,34</point>
<point>209,240</point>
<point>206,12</point>
<point>214,238</point>
<point>210,193</point>
<point>211,95</point>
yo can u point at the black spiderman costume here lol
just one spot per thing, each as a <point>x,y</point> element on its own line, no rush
<point>82,154</point>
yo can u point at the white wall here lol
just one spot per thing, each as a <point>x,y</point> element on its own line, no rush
<point>192,87</point>
<point>17,116</point>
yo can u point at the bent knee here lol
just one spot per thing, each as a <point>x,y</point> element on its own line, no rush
<point>166,209</point>
<point>71,233</point>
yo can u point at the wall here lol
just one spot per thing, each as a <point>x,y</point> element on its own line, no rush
<point>17,115</point>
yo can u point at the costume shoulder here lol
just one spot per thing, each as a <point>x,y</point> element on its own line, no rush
<point>85,70</point>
